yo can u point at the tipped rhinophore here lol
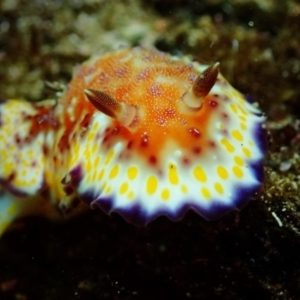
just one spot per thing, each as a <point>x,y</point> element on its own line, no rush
<point>201,87</point>
<point>121,112</point>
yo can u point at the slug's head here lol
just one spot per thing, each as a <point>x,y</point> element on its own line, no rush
<point>162,135</point>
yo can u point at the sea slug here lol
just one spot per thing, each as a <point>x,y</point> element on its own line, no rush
<point>137,132</point>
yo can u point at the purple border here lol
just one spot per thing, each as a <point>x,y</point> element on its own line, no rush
<point>136,215</point>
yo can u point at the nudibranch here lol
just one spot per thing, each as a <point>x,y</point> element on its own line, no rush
<point>137,132</point>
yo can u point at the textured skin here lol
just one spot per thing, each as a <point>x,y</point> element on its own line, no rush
<point>63,155</point>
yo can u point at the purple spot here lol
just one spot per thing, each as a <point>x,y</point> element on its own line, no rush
<point>185,161</point>
<point>109,134</point>
<point>144,140</point>
<point>76,176</point>
<point>121,72</point>
<point>154,90</point>
<point>102,78</point>
<point>192,78</point>
<point>197,150</point>
<point>212,144</point>
<point>152,160</point>
<point>143,74</point>
<point>17,139</point>
<point>45,150</point>
<point>129,145</point>
<point>225,116</point>
<point>86,121</point>
<point>194,132</point>
<point>91,69</point>
<point>213,103</point>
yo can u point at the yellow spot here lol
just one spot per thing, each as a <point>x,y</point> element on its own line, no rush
<point>89,178</point>
<point>247,152</point>
<point>20,183</point>
<point>12,210</point>
<point>206,193</point>
<point>250,143</point>
<point>243,126</point>
<point>239,161</point>
<point>3,154</point>
<point>114,172</point>
<point>87,153</point>
<point>165,194</point>
<point>95,126</point>
<point>100,176</point>
<point>123,188</point>
<point>103,186</point>
<point>32,181</point>
<point>74,159</point>
<point>8,168</point>
<point>227,145</point>
<point>97,161</point>
<point>132,172</point>
<point>109,156</point>
<point>94,149</point>
<point>151,185</point>
<point>219,188</point>
<point>94,176</point>
<point>12,147</point>
<point>76,146</point>
<point>3,226</point>
<point>184,189</point>
<point>233,108</point>
<point>200,174</point>
<point>222,172</point>
<point>242,118</point>
<point>91,136</point>
<point>88,166</point>
<point>30,152</point>
<point>107,190</point>
<point>238,172</point>
<point>237,135</point>
<point>130,195</point>
<point>173,176</point>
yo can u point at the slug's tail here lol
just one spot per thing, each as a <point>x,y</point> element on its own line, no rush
<point>23,131</point>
